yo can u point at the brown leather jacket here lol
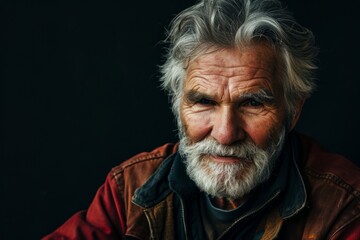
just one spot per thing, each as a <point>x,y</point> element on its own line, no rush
<point>331,208</point>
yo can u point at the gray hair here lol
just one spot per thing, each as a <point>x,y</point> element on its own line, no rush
<point>235,23</point>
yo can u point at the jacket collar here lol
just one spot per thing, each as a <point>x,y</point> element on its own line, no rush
<point>295,196</point>
<point>156,188</point>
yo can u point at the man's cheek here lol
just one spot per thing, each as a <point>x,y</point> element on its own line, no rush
<point>196,125</point>
<point>197,130</point>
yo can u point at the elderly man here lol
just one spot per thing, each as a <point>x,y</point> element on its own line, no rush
<point>238,73</point>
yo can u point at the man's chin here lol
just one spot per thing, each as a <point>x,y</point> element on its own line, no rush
<point>221,178</point>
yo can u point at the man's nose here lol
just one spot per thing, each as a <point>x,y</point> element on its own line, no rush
<point>227,126</point>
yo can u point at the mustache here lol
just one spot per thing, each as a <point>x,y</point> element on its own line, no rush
<point>244,150</point>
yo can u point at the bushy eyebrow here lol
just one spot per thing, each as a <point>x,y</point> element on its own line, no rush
<point>194,96</point>
<point>262,95</point>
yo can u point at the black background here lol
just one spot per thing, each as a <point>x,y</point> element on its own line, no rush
<point>80,94</point>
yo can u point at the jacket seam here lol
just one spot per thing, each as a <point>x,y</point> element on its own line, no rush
<point>337,180</point>
<point>149,157</point>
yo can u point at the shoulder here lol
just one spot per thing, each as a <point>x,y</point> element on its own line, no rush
<point>145,158</point>
<point>319,162</point>
<point>333,188</point>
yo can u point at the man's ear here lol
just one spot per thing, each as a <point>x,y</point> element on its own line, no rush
<point>296,114</point>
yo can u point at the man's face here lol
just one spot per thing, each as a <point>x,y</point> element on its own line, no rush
<point>234,99</point>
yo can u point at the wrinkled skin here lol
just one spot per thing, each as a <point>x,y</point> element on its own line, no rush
<point>234,95</point>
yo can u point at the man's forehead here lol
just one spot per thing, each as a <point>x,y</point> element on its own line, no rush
<point>233,71</point>
<point>259,54</point>
<point>234,68</point>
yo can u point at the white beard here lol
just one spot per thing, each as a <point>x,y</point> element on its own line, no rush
<point>231,180</point>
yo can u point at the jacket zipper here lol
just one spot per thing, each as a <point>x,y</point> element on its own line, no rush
<point>149,222</point>
<point>247,215</point>
<point>183,217</point>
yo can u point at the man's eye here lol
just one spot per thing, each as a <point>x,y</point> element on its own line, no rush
<point>205,101</point>
<point>253,103</point>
